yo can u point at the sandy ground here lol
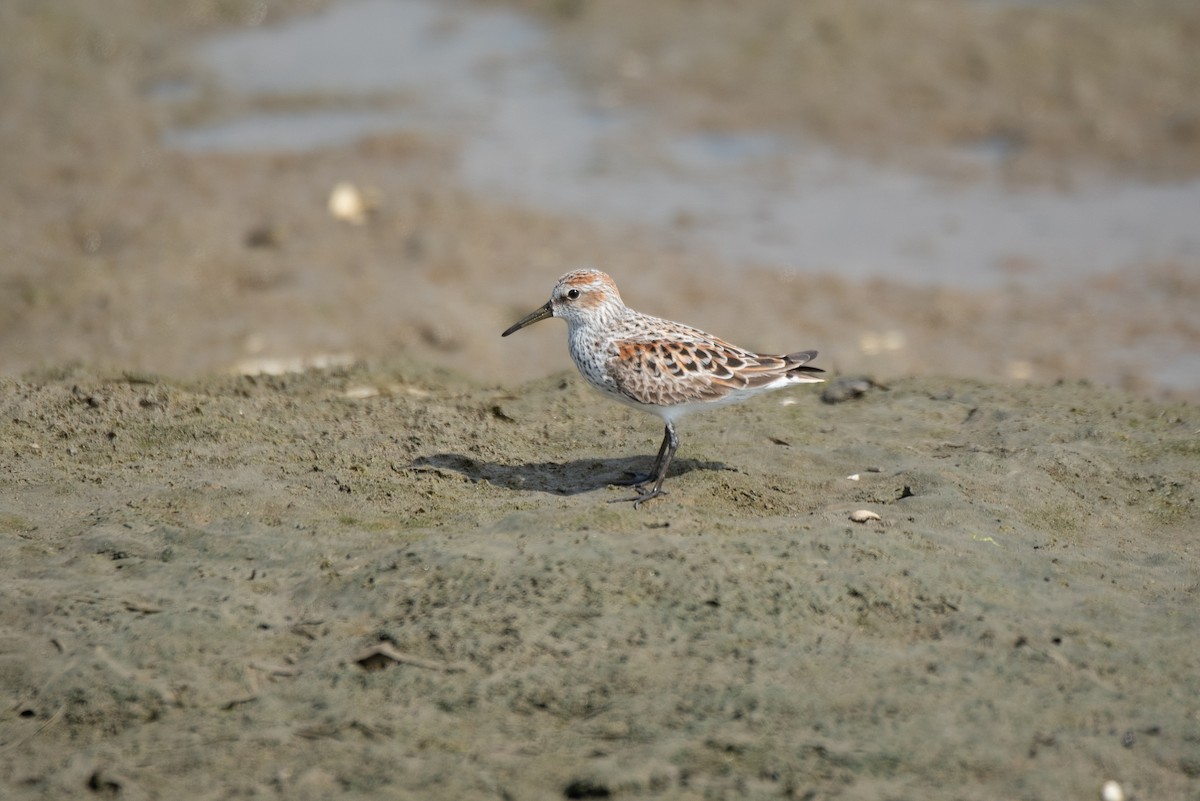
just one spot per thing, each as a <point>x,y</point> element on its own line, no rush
<point>194,571</point>
<point>195,564</point>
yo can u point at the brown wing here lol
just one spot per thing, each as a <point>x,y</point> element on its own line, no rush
<point>688,370</point>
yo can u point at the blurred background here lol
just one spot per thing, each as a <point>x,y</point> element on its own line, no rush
<point>989,188</point>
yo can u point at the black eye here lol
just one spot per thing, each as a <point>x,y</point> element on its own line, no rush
<point>572,293</point>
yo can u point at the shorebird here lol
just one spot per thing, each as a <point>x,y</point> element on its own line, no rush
<point>665,368</point>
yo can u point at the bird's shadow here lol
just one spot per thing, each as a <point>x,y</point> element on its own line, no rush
<point>558,478</point>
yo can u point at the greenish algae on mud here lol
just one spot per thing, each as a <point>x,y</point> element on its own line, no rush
<point>192,568</point>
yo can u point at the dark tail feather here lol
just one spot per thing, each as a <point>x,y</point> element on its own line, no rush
<point>800,357</point>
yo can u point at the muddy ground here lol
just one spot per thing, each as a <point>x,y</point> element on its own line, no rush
<point>197,565</point>
<point>194,571</point>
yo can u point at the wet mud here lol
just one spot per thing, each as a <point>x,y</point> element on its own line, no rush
<point>392,579</point>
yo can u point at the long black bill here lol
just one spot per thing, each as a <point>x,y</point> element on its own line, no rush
<point>541,313</point>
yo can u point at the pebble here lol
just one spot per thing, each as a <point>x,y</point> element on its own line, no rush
<point>863,515</point>
<point>848,388</point>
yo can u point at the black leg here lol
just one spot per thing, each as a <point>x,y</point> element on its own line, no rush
<point>666,452</point>
<point>639,480</point>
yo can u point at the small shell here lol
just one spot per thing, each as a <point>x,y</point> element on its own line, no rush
<point>351,204</point>
<point>863,515</point>
<point>1111,791</point>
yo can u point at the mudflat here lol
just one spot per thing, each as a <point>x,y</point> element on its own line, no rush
<point>392,570</point>
<point>395,580</point>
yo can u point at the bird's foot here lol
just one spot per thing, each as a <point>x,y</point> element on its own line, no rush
<point>641,497</point>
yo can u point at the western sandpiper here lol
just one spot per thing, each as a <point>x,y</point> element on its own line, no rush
<point>665,368</point>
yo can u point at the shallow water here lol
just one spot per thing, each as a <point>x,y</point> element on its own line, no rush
<point>486,78</point>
